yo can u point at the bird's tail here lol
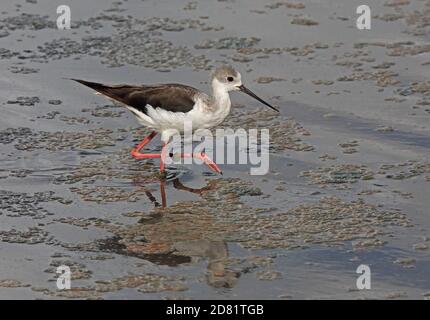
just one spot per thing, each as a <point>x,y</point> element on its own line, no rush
<point>93,85</point>
<point>116,93</point>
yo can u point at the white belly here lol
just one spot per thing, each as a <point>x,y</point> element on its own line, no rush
<point>169,123</point>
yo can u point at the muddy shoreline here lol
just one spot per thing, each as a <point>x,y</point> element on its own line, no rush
<point>349,162</point>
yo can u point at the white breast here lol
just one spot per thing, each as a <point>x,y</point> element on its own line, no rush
<point>168,122</point>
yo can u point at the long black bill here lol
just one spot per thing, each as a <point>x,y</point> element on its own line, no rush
<point>252,94</point>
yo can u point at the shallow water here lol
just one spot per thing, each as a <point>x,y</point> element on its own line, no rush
<point>349,164</point>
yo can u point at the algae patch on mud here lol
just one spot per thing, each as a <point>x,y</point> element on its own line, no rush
<point>221,215</point>
<point>285,134</point>
<point>405,170</point>
<point>145,283</point>
<point>19,204</point>
<point>119,166</point>
<point>341,176</point>
<point>26,139</point>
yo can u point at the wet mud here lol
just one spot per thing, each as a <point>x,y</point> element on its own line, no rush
<point>349,153</point>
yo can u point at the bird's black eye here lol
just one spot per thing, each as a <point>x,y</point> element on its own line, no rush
<point>230,79</point>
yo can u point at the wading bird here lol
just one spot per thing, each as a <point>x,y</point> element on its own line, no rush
<point>165,107</point>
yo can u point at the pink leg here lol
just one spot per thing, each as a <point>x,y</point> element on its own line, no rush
<point>163,157</point>
<point>202,156</point>
<point>135,153</point>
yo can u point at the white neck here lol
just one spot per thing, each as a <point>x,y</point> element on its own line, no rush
<point>220,94</point>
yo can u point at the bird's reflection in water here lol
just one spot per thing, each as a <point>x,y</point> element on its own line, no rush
<point>178,236</point>
<point>177,184</point>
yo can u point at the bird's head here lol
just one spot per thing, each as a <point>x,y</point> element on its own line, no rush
<point>228,79</point>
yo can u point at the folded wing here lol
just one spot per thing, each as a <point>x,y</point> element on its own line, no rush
<point>170,97</point>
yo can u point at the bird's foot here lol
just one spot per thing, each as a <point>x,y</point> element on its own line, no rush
<point>208,161</point>
<point>137,155</point>
<point>202,156</point>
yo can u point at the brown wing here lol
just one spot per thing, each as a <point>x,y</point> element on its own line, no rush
<point>171,97</point>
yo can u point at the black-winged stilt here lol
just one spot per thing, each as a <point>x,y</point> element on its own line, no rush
<point>165,107</point>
